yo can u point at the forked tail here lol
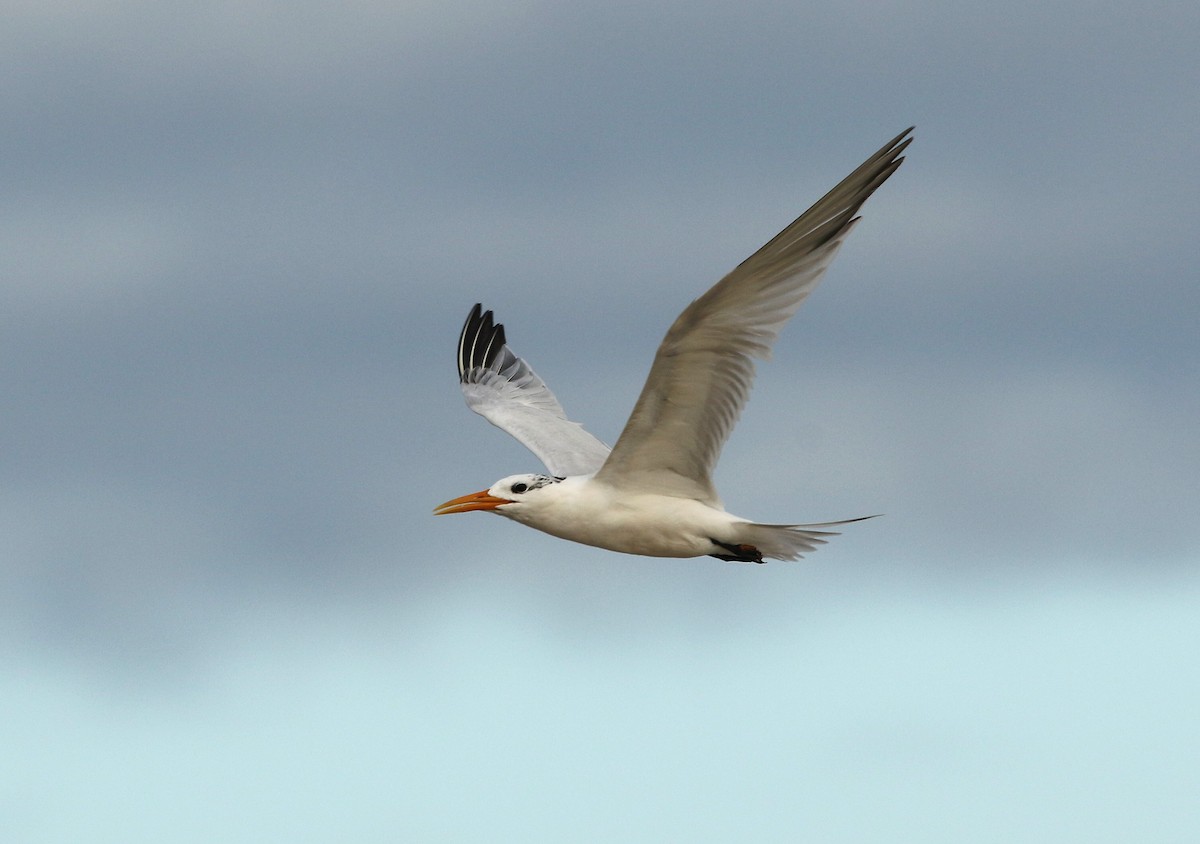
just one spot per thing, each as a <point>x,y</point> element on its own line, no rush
<point>779,542</point>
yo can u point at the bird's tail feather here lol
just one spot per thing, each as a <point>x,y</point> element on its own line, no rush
<point>789,542</point>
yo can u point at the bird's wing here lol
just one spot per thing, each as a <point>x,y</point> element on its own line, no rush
<point>704,367</point>
<point>501,388</point>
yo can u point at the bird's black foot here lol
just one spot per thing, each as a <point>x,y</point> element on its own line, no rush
<point>738,553</point>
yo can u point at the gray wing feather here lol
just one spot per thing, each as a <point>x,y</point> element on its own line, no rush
<point>704,368</point>
<point>504,390</point>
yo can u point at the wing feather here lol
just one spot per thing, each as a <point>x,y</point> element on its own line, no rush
<point>505,391</point>
<point>704,368</point>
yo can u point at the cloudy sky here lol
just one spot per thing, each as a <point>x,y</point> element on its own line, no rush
<point>237,244</point>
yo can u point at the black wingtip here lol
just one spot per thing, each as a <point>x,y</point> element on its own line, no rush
<point>480,341</point>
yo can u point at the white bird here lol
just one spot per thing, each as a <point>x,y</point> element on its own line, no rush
<point>653,493</point>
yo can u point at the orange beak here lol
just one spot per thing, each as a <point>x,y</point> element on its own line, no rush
<point>467,503</point>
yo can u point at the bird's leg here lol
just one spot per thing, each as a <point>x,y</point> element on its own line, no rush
<point>738,553</point>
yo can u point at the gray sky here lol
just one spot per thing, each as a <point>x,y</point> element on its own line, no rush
<point>237,245</point>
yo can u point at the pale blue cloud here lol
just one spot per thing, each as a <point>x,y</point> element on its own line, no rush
<point>997,714</point>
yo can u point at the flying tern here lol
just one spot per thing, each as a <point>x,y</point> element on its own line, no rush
<point>652,493</point>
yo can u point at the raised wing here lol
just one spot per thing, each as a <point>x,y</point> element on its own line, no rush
<point>501,388</point>
<point>704,368</point>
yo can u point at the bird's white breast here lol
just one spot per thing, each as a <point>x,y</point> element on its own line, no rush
<point>583,510</point>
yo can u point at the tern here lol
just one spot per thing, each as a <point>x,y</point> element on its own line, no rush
<point>652,493</point>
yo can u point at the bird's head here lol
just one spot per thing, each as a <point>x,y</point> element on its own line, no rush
<point>507,494</point>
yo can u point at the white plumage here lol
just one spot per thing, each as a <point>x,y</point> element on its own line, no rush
<point>653,493</point>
